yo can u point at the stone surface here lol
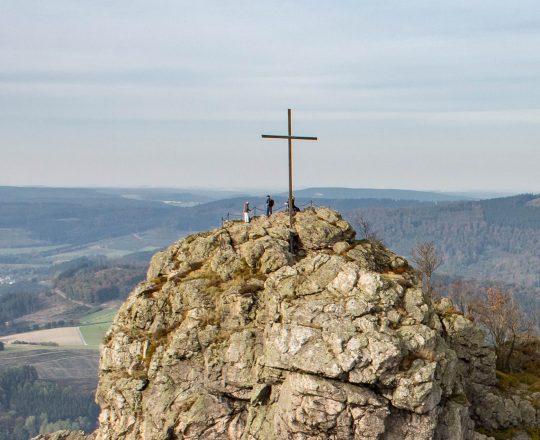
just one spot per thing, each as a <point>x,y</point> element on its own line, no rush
<point>231,337</point>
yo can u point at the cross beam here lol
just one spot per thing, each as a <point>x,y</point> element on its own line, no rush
<point>276,136</point>
<point>290,138</point>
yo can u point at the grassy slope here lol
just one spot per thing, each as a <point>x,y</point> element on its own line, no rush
<point>104,315</point>
<point>94,326</point>
<point>93,334</point>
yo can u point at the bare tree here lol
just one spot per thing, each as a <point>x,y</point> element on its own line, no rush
<point>366,229</point>
<point>505,322</point>
<point>427,259</point>
<point>462,294</point>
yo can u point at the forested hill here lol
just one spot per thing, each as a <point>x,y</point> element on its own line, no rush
<point>372,193</point>
<point>29,405</point>
<point>495,239</point>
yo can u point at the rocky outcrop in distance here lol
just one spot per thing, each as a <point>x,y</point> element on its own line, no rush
<point>232,337</point>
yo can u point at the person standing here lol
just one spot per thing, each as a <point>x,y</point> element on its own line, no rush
<point>269,205</point>
<point>246,212</point>
<point>295,208</point>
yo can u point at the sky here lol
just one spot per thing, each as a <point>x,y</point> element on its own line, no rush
<point>433,95</point>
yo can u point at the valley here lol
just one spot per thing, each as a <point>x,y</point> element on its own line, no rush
<point>68,258</point>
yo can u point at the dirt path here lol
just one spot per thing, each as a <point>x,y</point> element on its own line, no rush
<point>81,335</point>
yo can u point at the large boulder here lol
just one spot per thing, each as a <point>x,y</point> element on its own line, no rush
<point>232,337</point>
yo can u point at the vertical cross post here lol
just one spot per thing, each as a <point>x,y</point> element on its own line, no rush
<point>289,117</point>
<point>290,138</point>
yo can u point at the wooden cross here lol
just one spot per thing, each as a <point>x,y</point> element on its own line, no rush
<point>290,137</point>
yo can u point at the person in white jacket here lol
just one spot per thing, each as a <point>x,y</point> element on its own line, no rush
<point>246,212</point>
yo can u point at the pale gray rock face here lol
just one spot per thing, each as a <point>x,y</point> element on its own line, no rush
<point>495,410</point>
<point>231,337</point>
<point>491,408</point>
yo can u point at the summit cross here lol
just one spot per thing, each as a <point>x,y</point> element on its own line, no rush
<point>290,138</point>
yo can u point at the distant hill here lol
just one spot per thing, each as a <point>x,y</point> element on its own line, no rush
<point>370,193</point>
<point>478,238</point>
<point>170,194</point>
<point>57,216</point>
<point>41,194</point>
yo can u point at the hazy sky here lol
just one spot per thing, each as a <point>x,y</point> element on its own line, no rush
<point>441,95</point>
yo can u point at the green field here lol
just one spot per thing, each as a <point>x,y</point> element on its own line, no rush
<point>101,316</point>
<point>94,326</point>
<point>93,334</point>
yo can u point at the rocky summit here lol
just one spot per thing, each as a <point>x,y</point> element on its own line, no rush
<point>232,337</point>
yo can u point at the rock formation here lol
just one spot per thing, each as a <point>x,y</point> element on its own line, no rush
<point>232,337</point>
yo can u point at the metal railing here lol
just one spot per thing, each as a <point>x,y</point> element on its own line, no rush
<point>236,216</point>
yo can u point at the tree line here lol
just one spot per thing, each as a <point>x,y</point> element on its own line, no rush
<point>99,281</point>
<point>30,406</point>
<point>13,305</point>
<point>494,239</point>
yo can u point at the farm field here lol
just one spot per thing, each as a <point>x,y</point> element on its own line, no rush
<point>93,334</point>
<point>90,333</point>
<point>94,326</point>
<point>101,316</point>
<point>61,336</point>
<point>76,367</point>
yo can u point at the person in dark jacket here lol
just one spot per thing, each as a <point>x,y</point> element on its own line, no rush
<point>269,205</point>
<point>295,208</point>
